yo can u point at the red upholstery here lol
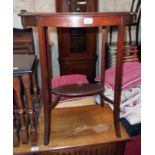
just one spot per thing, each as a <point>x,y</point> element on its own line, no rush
<point>68,80</point>
<point>131,75</point>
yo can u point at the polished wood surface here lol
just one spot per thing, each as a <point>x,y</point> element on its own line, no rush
<point>78,127</point>
<point>69,20</point>
<point>30,109</point>
<point>15,121</point>
<point>23,63</point>
<point>75,90</point>
<point>45,20</point>
<point>17,90</point>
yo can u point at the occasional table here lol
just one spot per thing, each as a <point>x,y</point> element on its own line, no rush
<point>78,20</point>
<point>23,72</point>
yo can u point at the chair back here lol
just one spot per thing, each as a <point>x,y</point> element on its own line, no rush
<point>136,8</point>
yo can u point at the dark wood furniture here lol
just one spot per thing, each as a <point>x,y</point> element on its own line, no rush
<point>136,8</point>
<point>23,42</point>
<point>131,53</point>
<point>16,123</point>
<point>86,130</point>
<point>77,46</point>
<point>134,40</point>
<point>44,20</point>
<point>23,70</point>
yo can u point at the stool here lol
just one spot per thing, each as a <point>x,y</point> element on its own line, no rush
<point>23,71</point>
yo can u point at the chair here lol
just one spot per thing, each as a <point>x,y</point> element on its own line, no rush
<point>136,8</point>
<point>111,46</point>
<point>130,105</point>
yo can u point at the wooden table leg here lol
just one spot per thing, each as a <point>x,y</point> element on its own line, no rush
<point>118,78</point>
<point>101,97</point>
<point>15,118</point>
<point>27,87</point>
<point>15,133</point>
<point>104,40</point>
<point>35,88</point>
<point>36,97</point>
<point>46,79</point>
<point>17,90</point>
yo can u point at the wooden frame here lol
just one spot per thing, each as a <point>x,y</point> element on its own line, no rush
<point>45,20</point>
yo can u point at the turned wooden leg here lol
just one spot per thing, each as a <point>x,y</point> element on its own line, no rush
<point>15,118</point>
<point>27,87</point>
<point>36,97</point>
<point>17,90</point>
<point>130,37</point>
<point>15,133</point>
<point>35,88</point>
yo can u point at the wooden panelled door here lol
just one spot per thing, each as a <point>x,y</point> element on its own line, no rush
<point>77,46</point>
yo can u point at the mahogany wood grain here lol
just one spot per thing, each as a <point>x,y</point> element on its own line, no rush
<point>15,121</point>
<point>118,77</point>
<point>76,90</point>
<point>73,132</point>
<point>35,88</point>
<point>17,89</point>
<point>44,20</point>
<point>42,34</point>
<point>27,87</point>
<point>104,40</point>
<point>15,133</point>
<point>24,69</point>
<point>69,19</point>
